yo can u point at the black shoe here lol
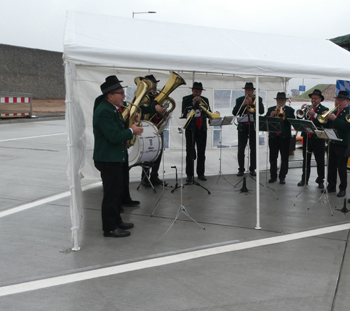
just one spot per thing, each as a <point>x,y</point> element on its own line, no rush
<point>130,203</point>
<point>125,226</point>
<point>301,183</point>
<point>328,190</point>
<point>252,173</point>
<point>321,185</point>
<point>271,180</point>
<point>156,181</point>
<point>116,233</point>
<point>189,178</point>
<point>202,177</point>
<point>282,181</point>
<point>341,193</point>
<point>240,173</point>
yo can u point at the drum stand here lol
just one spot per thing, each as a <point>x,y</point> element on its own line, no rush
<point>182,208</point>
<point>145,166</point>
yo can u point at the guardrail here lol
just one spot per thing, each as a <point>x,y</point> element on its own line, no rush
<point>15,105</point>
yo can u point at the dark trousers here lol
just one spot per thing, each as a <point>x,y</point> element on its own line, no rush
<point>317,147</point>
<point>195,138</point>
<point>280,145</point>
<point>242,142</point>
<point>337,164</point>
<point>112,180</point>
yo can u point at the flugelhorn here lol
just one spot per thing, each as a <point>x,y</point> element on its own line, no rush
<point>322,117</point>
<point>280,113</point>
<point>205,107</point>
<point>302,113</point>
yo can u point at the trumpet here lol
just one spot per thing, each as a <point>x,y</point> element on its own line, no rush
<point>280,113</point>
<point>322,117</point>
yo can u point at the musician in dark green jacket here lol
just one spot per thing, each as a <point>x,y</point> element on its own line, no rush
<point>337,149</point>
<point>110,154</point>
<point>247,130</point>
<point>280,142</point>
<point>196,132</point>
<point>313,144</point>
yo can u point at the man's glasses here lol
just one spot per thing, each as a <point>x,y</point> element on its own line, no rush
<point>121,93</point>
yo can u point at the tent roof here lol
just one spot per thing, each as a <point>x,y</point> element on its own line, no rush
<point>342,40</point>
<point>133,43</point>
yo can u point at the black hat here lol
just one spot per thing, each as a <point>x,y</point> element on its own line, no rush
<point>343,94</point>
<point>249,86</point>
<point>152,78</point>
<point>281,95</point>
<point>197,86</point>
<point>112,83</point>
<point>317,92</point>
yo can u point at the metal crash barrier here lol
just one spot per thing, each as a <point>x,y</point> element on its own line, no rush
<point>15,105</point>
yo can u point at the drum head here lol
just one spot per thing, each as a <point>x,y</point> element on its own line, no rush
<point>147,147</point>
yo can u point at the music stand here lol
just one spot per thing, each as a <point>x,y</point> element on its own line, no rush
<point>273,125</point>
<point>308,127</point>
<point>160,131</point>
<point>227,120</point>
<point>329,135</point>
<point>182,208</point>
<point>247,118</point>
<point>190,116</point>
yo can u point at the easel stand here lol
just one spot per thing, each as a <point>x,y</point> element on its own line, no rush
<point>182,208</point>
<point>273,125</point>
<point>146,169</point>
<point>330,135</point>
<point>308,127</point>
<point>248,118</point>
<point>220,122</point>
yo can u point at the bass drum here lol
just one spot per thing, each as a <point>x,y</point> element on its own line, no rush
<point>147,147</point>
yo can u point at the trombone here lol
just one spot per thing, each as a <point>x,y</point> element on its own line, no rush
<point>250,107</point>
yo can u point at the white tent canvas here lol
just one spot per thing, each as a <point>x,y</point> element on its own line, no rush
<point>223,60</point>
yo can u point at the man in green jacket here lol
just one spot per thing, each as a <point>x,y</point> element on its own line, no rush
<point>337,148</point>
<point>196,131</point>
<point>280,142</point>
<point>313,144</point>
<point>110,154</point>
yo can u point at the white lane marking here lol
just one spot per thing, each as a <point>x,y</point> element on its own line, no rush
<point>29,137</point>
<point>44,200</point>
<point>166,260</point>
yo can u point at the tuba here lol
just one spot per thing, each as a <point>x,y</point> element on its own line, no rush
<point>322,117</point>
<point>133,109</point>
<point>205,107</point>
<point>163,99</point>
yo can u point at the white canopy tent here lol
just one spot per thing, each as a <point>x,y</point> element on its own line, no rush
<point>96,46</point>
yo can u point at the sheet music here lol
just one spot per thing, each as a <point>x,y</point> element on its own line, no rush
<point>331,134</point>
